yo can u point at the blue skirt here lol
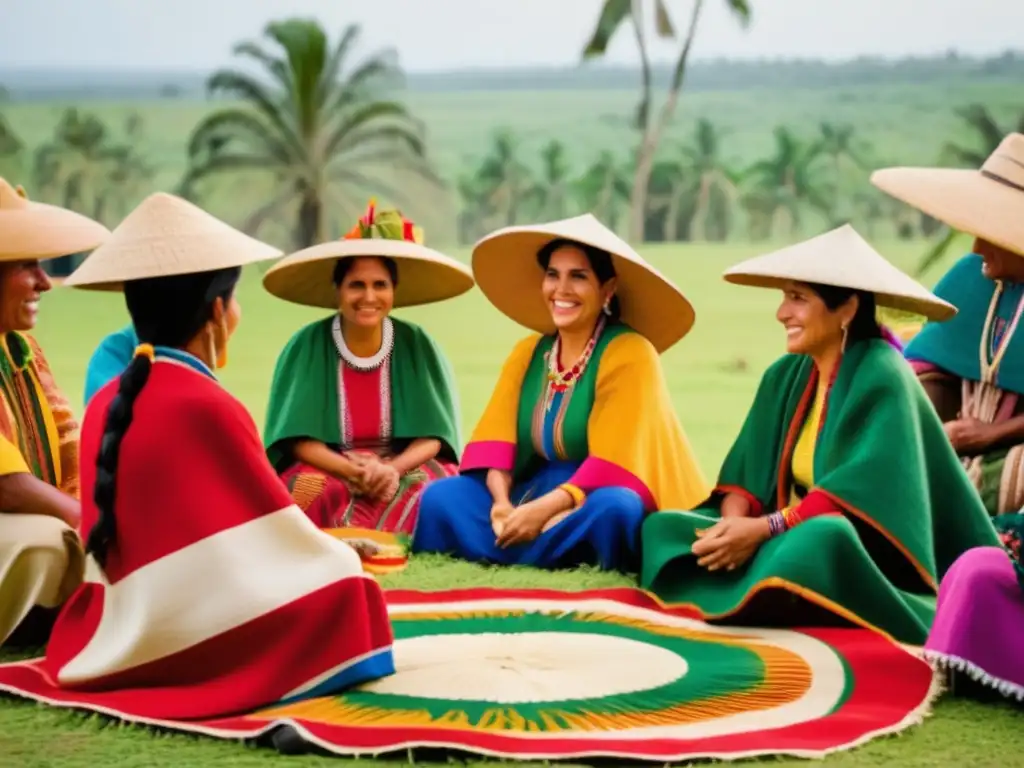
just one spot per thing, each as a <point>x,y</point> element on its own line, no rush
<point>455,519</point>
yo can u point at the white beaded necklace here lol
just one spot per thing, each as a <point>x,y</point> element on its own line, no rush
<point>364,363</point>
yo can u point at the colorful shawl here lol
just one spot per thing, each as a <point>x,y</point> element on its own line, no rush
<point>304,392</point>
<point>881,456</point>
<point>620,422</point>
<point>38,431</point>
<point>212,597</point>
<point>952,345</point>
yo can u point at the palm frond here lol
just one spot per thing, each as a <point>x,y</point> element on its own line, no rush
<point>246,88</point>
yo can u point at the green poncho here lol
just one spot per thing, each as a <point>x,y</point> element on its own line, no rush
<point>304,392</point>
<point>882,456</point>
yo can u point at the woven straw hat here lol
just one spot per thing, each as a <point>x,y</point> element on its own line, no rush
<point>166,236</point>
<point>987,203</point>
<point>844,259</point>
<point>38,231</point>
<point>424,275</point>
<point>506,269</point>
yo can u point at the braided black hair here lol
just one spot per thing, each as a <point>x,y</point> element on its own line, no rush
<point>169,312</point>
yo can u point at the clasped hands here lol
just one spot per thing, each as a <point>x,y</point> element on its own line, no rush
<point>372,476</point>
<point>519,525</point>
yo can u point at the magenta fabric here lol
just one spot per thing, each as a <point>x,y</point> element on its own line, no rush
<point>979,621</point>
<point>489,454</point>
<point>597,473</point>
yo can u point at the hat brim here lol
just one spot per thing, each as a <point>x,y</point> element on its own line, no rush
<point>506,269</point>
<point>166,236</point>
<point>424,275</point>
<point>841,258</point>
<point>41,231</point>
<point>965,200</point>
<point>933,310</point>
<point>100,279</point>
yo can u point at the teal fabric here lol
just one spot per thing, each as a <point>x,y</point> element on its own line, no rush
<point>110,358</point>
<point>953,345</point>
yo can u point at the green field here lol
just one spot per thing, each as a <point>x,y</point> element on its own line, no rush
<point>896,123</point>
<point>712,374</point>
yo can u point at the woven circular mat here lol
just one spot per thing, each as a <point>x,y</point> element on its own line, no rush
<point>535,674</point>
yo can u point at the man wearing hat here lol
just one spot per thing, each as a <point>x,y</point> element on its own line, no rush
<point>41,559</point>
<point>973,366</point>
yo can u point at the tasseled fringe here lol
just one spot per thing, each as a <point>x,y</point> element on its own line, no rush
<point>976,673</point>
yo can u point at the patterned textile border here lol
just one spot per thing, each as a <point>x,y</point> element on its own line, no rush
<point>539,674</point>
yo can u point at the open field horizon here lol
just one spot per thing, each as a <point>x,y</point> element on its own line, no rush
<point>901,124</point>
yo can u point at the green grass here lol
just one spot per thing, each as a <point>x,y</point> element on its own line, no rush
<point>712,376</point>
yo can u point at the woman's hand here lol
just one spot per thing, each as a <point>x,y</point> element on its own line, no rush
<point>379,479</point>
<point>523,525</point>
<point>969,437</point>
<point>501,511</point>
<point>729,543</point>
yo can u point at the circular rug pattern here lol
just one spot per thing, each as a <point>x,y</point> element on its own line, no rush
<point>534,674</point>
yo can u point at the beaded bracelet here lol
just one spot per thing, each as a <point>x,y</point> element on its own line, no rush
<point>776,524</point>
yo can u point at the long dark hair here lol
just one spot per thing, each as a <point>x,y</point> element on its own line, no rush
<point>168,312</point>
<point>600,261</point>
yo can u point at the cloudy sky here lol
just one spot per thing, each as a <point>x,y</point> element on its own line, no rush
<point>457,34</point>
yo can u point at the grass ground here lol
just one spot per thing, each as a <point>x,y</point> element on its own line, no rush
<point>712,375</point>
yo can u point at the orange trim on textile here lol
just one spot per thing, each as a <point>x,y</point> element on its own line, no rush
<point>774,582</point>
<point>756,507</point>
<point>927,577</point>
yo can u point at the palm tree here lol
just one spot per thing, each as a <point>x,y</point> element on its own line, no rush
<point>837,143</point>
<point>85,169</point>
<point>616,13</point>
<point>703,184</point>
<point>323,135</point>
<point>550,192</point>
<point>782,184</point>
<point>603,189</point>
<point>988,134</point>
<point>504,177</point>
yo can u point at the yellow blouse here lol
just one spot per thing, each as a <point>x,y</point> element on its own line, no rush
<point>802,464</point>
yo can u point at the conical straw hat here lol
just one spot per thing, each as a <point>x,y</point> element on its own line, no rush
<point>165,236</point>
<point>424,275</point>
<point>38,231</point>
<point>506,269</point>
<point>987,203</point>
<point>844,259</point>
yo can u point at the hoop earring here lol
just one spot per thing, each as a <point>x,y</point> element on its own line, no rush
<point>846,331</point>
<point>607,308</point>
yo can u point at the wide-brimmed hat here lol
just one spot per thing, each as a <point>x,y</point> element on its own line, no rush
<point>424,275</point>
<point>987,203</point>
<point>38,231</point>
<point>166,235</point>
<point>506,269</point>
<point>844,259</point>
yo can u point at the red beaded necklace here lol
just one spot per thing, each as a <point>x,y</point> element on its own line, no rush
<point>561,380</point>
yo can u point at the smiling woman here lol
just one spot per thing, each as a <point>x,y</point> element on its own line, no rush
<point>41,558</point>
<point>840,499</point>
<point>579,441</point>
<point>363,406</point>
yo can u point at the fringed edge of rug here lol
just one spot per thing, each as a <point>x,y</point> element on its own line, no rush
<point>976,673</point>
